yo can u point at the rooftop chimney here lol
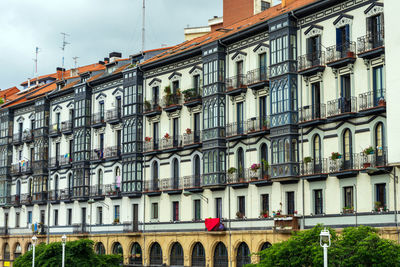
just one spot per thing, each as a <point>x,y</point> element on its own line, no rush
<point>60,73</point>
<point>237,10</point>
<point>285,3</point>
<point>114,55</point>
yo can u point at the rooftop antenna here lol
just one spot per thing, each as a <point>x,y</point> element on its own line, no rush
<point>64,44</point>
<point>143,25</point>
<point>75,61</point>
<point>37,50</point>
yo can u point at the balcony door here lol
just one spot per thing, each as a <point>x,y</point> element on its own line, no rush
<point>263,112</point>
<point>175,166</point>
<point>379,144</point>
<point>240,163</point>
<point>343,40</point>
<point>345,101</point>
<point>156,95</point>
<point>101,144</point>
<point>239,73</point>
<point>83,220</point>
<point>347,150</point>
<point>57,153</point>
<point>378,84</point>
<point>316,100</point>
<point>197,171</point>
<point>263,66</point>
<point>135,217</point>
<point>317,155</point>
<point>290,203</point>
<point>176,132</point>
<point>155,136</point>
<point>155,177</point>
<point>375,31</point>
<point>239,118</point>
<point>119,106</point>
<point>314,50</point>
<point>196,127</point>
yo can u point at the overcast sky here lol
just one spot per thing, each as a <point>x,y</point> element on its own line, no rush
<point>96,27</point>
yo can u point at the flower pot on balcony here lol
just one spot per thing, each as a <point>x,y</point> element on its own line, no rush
<point>350,54</point>
<point>366,165</point>
<point>382,102</point>
<point>254,178</point>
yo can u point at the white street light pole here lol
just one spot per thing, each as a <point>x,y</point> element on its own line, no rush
<point>63,240</point>
<point>34,240</point>
<point>325,242</point>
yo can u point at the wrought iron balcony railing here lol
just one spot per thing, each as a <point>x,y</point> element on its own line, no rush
<point>152,186</point>
<point>55,129</point>
<point>243,175</point>
<point>24,166</point>
<point>237,81</point>
<point>192,181</point>
<point>171,142</point>
<point>378,159</point>
<point>192,137</point>
<point>192,94</point>
<point>98,118</point>
<point>347,161</point>
<point>338,52</point>
<point>66,126</point>
<point>152,145</point>
<point>17,138</point>
<point>55,195</point>
<point>311,60</point>
<point>342,106</point>
<point>315,166</point>
<point>152,106</point>
<point>236,128</point>
<point>370,42</point>
<point>171,184</point>
<point>27,136</point>
<point>371,100</point>
<point>113,114</point>
<point>257,124</point>
<point>257,75</point>
<point>312,112</point>
<point>172,100</point>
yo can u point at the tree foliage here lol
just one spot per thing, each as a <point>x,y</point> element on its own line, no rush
<point>355,246</point>
<point>77,254</point>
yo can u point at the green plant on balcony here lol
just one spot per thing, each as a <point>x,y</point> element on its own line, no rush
<point>116,221</point>
<point>379,206</point>
<point>264,214</point>
<point>167,90</point>
<point>369,151</point>
<point>307,160</point>
<point>147,105</point>
<point>348,209</point>
<point>232,170</point>
<point>335,156</point>
<point>239,215</point>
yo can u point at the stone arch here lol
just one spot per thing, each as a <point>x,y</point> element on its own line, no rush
<point>99,248</point>
<point>136,254</point>
<point>155,254</point>
<point>197,254</point>
<point>17,250</point>
<point>220,255</point>
<point>243,254</point>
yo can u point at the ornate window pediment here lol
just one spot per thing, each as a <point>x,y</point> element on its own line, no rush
<point>196,70</point>
<point>175,76</point>
<point>101,97</point>
<point>343,20</point>
<point>374,9</point>
<point>239,56</point>
<point>155,82</point>
<point>261,48</point>
<point>313,30</point>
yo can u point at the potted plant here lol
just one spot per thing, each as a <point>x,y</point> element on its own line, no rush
<point>147,139</point>
<point>336,155</point>
<point>147,105</point>
<point>239,215</point>
<point>167,136</point>
<point>178,92</point>
<point>307,160</point>
<point>254,168</point>
<point>116,220</point>
<point>382,102</point>
<point>348,210</point>
<point>379,207</point>
<point>265,166</point>
<point>167,90</point>
<point>368,151</point>
<point>232,170</point>
<point>265,125</point>
<point>188,131</point>
<point>264,214</point>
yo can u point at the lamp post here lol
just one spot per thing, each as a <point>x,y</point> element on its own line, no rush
<point>63,240</point>
<point>34,240</point>
<point>325,242</point>
<point>186,194</point>
<point>90,202</point>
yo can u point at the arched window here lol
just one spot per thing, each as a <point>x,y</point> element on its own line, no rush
<point>100,177</point>
<point>155,176</point>
<point>136,255</point>
<point>317,149</point>
<point>18,189</point>
<point>243,255</point>
<point>29,247</point>
<point>30,185</point>
<point>56,181</point>
<point>117,249</point>
<point>118,178</point>
<point>155,254</point>
<point>99,249</point>
<point>265,246</point>
<point>70,184</point>
<point>264,160</point>
<point>379,141</point>
<point>17,251</point>
<point>6,252</point>
<point>347,149</point>
<point>175,165</point>
<point>176,256</point>
<point>196,170</point>
<point>240,162</point>
<point>220,255</point>
<point>198,255</point>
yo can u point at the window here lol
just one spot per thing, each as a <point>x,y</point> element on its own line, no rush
<point>154,210</point>
<point>279,50</point>
<point>156,95</point>
<point>347,148</point>
<point>58,120</point>
<point>380,196</point>
<point>116,213</point>
<point>264,5</point>
<point>275,152</point>
<point>175,211</point>
<point>314,49</point>
<point>175,86</point>
<point>242,205</point>
<point>348,197</point>
<point>317,154</point>
<point>17,219</point>
<point>318,201</point>
<point>55,217</point>
<point>345,104</point>
<point>69,216</point>
<point>240,162</point>
<point>29,217</point>
<point>290,203</point>
<point>379,91</point>
<point>196,83</point>
<point>379,144</point>
<point>375,31</point>
<point>42,216</point>
<point>265,203</point>
<point>218,207</point>
<point>197,210</point>
<point>100,215</point>
<point>239,118</point>
<point>343,39</point>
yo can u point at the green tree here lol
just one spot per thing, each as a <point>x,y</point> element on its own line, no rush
<point>77,254</point>
<point>356,246</point>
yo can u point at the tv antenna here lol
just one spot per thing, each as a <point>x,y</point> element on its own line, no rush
<point>75,61</point>
<point>37,50</point>
<point>143,25</point>
<point>64,44</point>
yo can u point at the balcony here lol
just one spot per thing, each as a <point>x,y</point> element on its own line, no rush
<point>55,130</point>
<point>258,78</point>
<point>258,126</point>
<point>375,163</point>
<point>65,161</point>
<point>105,153</point>
<point>338,56</point>
<point>98,191</point>
<point>152,108</point>
<point>342,108</point>
<point>152,188</point>
<point>371,45</point>
<point>312,115</point>
<point>23,167</point>
<point>347,165</point>
<point>55,196</point>
<point>112,190</point>
<point>370,103</point>
<point>39,198</point>
<point>98,120</point>
<point>240,178</point>
<point>193,183</point>
<point>26,199</point>
<point>192,97</point>
<point>286,224</point>
<point>16,200</point>
<point>311,63</point>
<point>236,130</point>
<point>66,194</point>
<point>54,162</point>
<point>171,186</point>
<point>113,116</point>
<point>236,85</point>
<point>152,145</point>
<point>41,167</point>
<point>314,169</point>
<point>171,143</point>
<point>192,139</point>
<point>27,136</point>
<point>66,127</point>
<point>17,139</point>
<point>172,102</point>
<point>79,228</point>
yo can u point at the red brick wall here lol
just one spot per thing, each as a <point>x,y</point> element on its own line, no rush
<point>236,10</point>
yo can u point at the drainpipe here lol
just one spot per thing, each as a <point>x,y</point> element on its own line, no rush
<point>395,205</point>
<point>48,186</point>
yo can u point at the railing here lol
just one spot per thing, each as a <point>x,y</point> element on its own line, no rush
<point>370,42</point>
<point>26,199</point>
<point>79,228</point>
<point>315,166</point>
<point>55,128</point>
<point>151,106</point>
<point>16,199</point>
<point>113,114</point>
<point>312,112</point>
<point>3,231</point>
<point>65,160</point>
<point>40,165</point>
<point>98,190</point>
<point>152,145</point>
<point>171,142</point>
<point>131,227</point>
<point>17,138</point>
<point>98,118</point>
<point>378,159</point>
<point>236,128</point>
<point>97,154</point>
<point>248,174</point>
<point>67,194</point>
<point>193,137</point>
<point>152,186</point>
<point>371,100</point>
<point>257,75</point>
<point>112,189</point>
<point>171,184</point>
<point>192,94</point>
<point>22,167</point>
<point>258,124</point>
<point>112,152</point>
<point>345,162</point>
<point>55,195</point>
<point>338,52</point>
<point>311,60</point>
<point>27,136</point>
<point>192,181</point>
<point>237,81</point>
<point>172,100</point>
<point>341,106</point>
<point>66,126</point>
<point>55,161</point>
<point>38,197</point>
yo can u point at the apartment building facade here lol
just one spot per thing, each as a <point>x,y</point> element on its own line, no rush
<point>215,148</point>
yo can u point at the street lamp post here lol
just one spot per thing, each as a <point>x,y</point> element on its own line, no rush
<point>34,240</point>
<point>90,202</point>
<point>63,240</point>
<point>186,194</point>
<point>325,242</point>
